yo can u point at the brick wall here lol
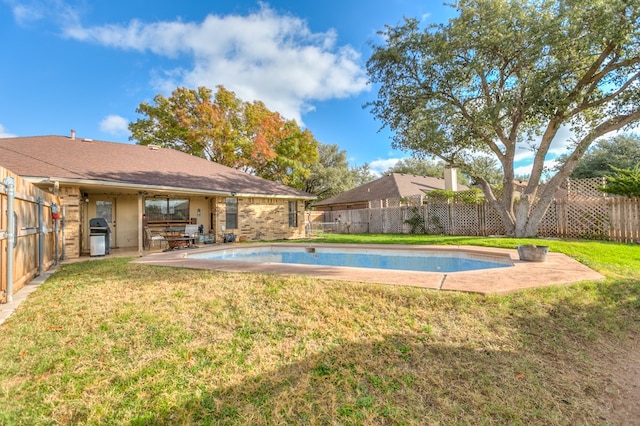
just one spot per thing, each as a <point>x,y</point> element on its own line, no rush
<point>258,219</point>
<point>261,219</point>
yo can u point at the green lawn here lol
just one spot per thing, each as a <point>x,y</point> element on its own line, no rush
<point>109,342</point>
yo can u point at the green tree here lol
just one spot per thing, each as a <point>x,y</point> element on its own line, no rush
<point>330,175</point>
<point>505,75</point>
<point>622,152</point>
<point>418,167</point>
<point>424,167</point>
<point>488,168</point>
<point>362,174</point>
<point>624,182</point>
<point>222,128</point>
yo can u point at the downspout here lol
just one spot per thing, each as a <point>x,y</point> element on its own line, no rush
<point>11,235</point>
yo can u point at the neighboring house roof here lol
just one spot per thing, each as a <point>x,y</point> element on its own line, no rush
<point>393,185</point>
<point>521,185</point>
<point>70,159</point>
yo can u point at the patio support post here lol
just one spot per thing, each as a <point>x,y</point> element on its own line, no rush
<point>56,239</point>
<point>63,256</point>
<point>11,235</point>
<point>140,224</point>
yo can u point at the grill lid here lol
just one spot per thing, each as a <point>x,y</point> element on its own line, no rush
<point>98,222</point>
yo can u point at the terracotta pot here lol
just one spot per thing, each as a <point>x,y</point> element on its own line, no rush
<point>533,253</point>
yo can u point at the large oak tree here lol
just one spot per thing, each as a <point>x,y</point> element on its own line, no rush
<point>222,128</point>
<point>508,74</point>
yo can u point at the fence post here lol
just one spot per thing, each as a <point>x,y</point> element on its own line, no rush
<point>11,235</point>
<point>40,236</point>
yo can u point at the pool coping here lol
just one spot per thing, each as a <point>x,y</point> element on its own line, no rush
<point>558,269</point>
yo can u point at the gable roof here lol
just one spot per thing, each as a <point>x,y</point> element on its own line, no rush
<point>393,185</point>
<point>69,160</point>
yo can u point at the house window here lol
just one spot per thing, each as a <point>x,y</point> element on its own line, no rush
<point>104,209</point>
<point>293,214</point>
<point>232,213</point>
<point>166,209</point>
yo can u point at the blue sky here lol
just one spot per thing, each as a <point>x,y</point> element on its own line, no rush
<point>87,65</point>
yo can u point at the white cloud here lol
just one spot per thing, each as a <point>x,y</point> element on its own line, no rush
<point>558,145</point>
<point>262,56</point>
<point>382,165</point>
<point>115,125</point>
<point>525,154</point>
<point>26,12</point>
<point>4,133</point>
<point>526,169</point>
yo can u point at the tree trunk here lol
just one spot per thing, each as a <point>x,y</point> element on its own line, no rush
<point>522,217</point>
<point>529,214</point>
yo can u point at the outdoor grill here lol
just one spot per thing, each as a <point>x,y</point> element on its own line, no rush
<point>99,235</point>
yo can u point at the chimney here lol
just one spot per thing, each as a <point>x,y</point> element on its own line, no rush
<point>450,178</point>
<point>73,135</point>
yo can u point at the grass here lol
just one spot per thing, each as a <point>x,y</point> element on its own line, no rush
<point>111,342</point>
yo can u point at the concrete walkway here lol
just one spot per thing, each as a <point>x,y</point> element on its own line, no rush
<point>7,309</point>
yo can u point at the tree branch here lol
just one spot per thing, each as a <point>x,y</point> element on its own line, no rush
<point>605,99</point>
<point>611,125</point>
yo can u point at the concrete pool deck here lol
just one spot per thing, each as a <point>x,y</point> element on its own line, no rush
<point>558,269</point>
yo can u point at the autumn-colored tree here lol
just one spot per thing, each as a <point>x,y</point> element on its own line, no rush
<point>222,128</point>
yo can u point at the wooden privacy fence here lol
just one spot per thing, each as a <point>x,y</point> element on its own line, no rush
<point>28,247</point>
<point>584,213</point>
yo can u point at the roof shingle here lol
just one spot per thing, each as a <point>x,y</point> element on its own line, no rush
<point>85,159</point>
<point>393,185</point>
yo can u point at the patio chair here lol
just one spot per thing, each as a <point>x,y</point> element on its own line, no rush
<point>153,237</point>
<point>191,232</point>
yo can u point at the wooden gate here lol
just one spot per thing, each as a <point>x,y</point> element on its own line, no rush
<point>33,227</point>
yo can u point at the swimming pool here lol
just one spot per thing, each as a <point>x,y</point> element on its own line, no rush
<point>406,259</point>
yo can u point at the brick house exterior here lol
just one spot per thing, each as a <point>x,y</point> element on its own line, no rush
<point>391,186</point>
<point>126,180</point>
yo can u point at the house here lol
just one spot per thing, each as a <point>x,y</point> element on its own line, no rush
<point>133,186</point>
<point>393,186</point>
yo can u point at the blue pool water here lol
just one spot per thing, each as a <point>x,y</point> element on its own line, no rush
<point>412,260</point>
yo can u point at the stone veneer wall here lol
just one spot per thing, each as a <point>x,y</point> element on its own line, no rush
<point>70,199</point>
<point>261,219</point>
<point>258,219</point>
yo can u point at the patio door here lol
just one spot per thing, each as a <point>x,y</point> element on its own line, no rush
<point>106,208</point>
